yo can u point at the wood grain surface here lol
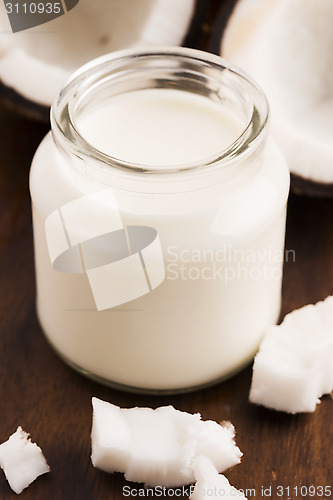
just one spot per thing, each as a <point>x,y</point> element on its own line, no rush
<point>53,403</point>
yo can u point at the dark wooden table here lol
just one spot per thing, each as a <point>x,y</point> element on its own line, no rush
<point>53,403</point>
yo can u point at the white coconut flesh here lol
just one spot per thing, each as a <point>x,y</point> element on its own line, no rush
<point>294,365</point>
<point>210,483</point>
<point>158,447</point>
<point>287,46</point>
<point>21,460</point>
<point>37,62</point>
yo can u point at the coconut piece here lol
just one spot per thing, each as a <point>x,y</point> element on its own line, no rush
<point>286,45</point>
<point>211,484</point>
<point>158,447</point>
<point>294,366</point>
<point>36,66</point>
<point>21,460</point>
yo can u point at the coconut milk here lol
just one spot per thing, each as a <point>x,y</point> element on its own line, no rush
<point>210,255</point>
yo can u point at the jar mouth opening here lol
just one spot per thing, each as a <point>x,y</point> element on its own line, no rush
<point>164,67</point>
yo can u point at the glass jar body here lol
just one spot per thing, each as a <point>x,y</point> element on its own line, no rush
<point>211,260</point>
<point>206,319</point>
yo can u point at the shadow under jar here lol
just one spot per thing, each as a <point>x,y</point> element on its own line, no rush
<point>159,207</point>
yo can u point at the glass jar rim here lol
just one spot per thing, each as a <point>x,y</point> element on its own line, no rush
<point>67,135</point>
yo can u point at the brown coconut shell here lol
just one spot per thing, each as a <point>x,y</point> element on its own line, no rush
<point>24,107</point>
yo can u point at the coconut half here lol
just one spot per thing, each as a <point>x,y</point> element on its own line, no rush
<point>286,45</point>
<point>35,64</point>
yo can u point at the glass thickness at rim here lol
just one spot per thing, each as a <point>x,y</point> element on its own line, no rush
<point>197,70</point>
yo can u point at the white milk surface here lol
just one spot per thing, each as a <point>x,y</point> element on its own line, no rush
<point>220,243</point>
<point>160,127</point>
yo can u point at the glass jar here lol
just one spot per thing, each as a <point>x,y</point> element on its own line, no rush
<point>158,272</point>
